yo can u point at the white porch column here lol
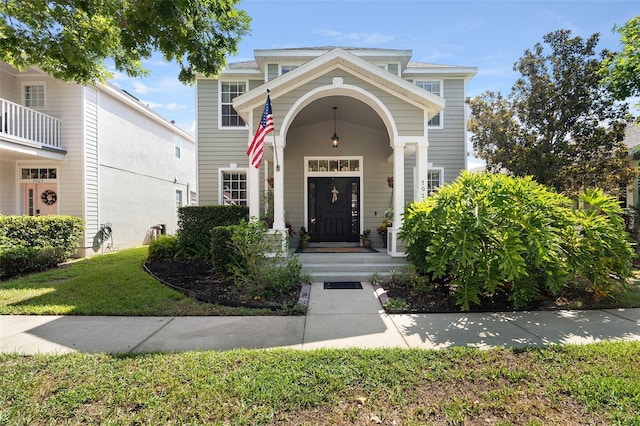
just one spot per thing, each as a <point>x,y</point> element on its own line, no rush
<point>422,169</point>
<point>278,185</point>
<point>254,192</point>
<point>398,196</point>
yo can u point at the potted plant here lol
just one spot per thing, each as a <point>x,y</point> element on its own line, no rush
<point>364,237</point>
<point>305,237</point>
<point>387,222</point>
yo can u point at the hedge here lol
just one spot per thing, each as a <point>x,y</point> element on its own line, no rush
<point>196,222</point>
<point>60,232</point>
<point>18,260</point>
<point>36,243</point>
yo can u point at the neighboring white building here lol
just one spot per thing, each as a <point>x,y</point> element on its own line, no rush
<point>394,118</point>
<point>94,152</point>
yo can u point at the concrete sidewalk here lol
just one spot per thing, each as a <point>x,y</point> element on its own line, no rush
<point>335,319</point>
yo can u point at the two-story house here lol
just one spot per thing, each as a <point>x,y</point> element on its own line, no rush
<point>357,132</point>
<point>94,152</point>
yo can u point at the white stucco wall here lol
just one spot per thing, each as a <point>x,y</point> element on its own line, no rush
<point>139,173</point>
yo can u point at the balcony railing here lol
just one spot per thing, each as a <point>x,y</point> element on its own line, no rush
<point>21,124</point>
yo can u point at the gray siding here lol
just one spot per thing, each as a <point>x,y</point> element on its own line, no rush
<point>447,146</point>
<point>216,148</point>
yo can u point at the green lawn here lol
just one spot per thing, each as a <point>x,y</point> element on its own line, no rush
<point>111,284</point>
<point>591,384</point>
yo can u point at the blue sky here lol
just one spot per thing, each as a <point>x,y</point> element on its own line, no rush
<point>490,35</point>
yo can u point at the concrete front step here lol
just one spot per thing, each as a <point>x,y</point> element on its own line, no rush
<point>349,266</point>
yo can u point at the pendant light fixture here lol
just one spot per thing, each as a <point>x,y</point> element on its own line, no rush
<point>334,139</point>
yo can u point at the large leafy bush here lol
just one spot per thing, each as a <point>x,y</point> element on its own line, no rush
<point>489,233</point>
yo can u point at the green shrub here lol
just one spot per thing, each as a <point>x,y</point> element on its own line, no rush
<point>255,272</point>
<point>222,253</point>
<point>163,247</point>
<point>491,233</point>
<point>62,232</point>
<point>601,251</point>
<point>19,260</point>
<point>196,222</point>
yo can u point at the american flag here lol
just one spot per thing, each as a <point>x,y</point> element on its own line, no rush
<point>257,144</point>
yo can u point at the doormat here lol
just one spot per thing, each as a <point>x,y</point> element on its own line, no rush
<point>342,285</point>
<point>336,250</point>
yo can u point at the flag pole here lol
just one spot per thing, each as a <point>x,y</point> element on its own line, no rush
<point>275,149</point>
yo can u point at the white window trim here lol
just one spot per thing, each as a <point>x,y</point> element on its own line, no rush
<point>430,168</point>
<point>222,170</point>
<point>220,126</point>
<point>26,84</point>
<point>385,66</point>
<point>357,173</point>
<point>293,64</point>
<point>179,191</point>
<point>441,94</point>
<point>177,147</point>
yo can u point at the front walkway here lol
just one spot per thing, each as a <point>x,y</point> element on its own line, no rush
<point>336,319</point>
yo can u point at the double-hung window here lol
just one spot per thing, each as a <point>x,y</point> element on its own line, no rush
<point>435,87</point>
<point>233,187</point>
<point>434,180</point>
<point>228,91</point>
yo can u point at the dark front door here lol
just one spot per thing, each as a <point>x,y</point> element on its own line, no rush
<point>334,209</point>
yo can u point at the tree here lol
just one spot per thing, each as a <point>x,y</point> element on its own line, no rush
<point>559,124</point>
<point>621,70</point>
<point>70,39</point>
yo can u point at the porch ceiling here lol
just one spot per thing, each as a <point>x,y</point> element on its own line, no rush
<point>10,151</point>
<point>349,110</point>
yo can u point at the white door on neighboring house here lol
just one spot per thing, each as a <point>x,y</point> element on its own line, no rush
<point>40,199</point>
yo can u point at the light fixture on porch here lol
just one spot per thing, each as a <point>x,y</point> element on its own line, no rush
<point>334,139</point>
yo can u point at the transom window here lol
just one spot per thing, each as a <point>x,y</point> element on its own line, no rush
<point>39,174</point>
<point>233,189</point>
<point>434,87</point>
<point>333,165</point>
<point>228,91</point>
<point>34,95</point>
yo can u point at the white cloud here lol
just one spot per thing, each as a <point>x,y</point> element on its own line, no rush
<point>141,88</point>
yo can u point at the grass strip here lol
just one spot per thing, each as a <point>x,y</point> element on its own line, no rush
<point>594,384</point>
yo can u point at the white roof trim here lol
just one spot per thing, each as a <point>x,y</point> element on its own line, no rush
<point>338,58</point>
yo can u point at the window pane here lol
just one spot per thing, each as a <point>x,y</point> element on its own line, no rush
<point>34,96</point>
<point>230,117</point>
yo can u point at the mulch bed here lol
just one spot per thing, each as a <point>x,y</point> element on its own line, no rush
<point>441,300</point>
<point>195,278</point>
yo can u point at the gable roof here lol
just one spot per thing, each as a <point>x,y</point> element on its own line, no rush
<point>342,59</point>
